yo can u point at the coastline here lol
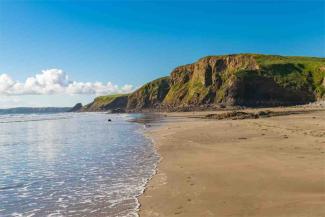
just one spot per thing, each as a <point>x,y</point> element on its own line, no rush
<point>155,170</point>
<point>264,167</point>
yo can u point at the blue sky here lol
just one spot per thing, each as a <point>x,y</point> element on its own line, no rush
<point>135,42</point>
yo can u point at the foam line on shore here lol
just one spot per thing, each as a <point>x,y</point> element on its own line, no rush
<point>155,171</point>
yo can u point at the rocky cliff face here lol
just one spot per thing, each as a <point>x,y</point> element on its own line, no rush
<point>76,108</point>
<point>150,95</point>
<point>209,80</point>
<point>242,79</point>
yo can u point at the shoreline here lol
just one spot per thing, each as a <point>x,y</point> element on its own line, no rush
<point>197,157</point>
<point>155,171</point>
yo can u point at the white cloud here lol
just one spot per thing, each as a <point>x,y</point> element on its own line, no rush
<point>55,81</point>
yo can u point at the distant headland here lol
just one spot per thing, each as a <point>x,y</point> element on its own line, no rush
<point>34,110</point>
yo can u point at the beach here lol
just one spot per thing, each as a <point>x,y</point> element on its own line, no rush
<point>266,167</point>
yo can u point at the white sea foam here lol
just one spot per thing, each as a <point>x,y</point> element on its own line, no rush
<point>75,164</point>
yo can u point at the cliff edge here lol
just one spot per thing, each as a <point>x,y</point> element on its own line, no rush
<point>229,80</point>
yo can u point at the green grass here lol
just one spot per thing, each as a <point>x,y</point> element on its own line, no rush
<point>150,93</point>
<point>294,72</point>
<point>101,101</point>
<point>176,92</point>
<point>108,98</point>
<point>196,92</point>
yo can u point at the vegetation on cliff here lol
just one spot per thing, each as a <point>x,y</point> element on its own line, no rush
<point>149,95</point>
<point>306,73</point>
<point>76,108</point>
<point>240,79</point>
<point>104,103</point>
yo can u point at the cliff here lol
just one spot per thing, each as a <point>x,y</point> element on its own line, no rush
<point>107,103</point>
<point>150,95</point>
<point>241,79</point>
<point>76,108</point>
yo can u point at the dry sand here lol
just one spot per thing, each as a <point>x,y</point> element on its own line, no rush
<point>258,167</point>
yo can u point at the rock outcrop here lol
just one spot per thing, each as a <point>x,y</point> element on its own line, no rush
<point>241,79</point>
<point>76,108</point>
<point>150,95</point>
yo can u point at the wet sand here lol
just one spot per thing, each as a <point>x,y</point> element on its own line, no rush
<point>256,167</point>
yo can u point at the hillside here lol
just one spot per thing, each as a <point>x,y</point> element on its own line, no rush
<point>34,110</point>
<point>230,80</point>
<point>105,103</point>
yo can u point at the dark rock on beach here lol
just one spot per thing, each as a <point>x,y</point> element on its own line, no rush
<point>239,115</point>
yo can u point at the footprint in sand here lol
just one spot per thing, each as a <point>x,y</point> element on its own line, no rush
<point>188,180</point>
<point>179,210</point>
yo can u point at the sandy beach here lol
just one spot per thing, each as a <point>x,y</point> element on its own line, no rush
<point>255,167</point>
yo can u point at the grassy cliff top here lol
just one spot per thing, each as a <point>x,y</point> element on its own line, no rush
<point>153,84</point>
<point>101,101</point>
<point>108,98</point>
<point>269,57</point>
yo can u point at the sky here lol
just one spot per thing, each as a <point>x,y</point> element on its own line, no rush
<point>58,53</point>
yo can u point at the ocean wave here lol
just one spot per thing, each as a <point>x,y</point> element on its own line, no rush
<point>5,119</point>
<point>81,165</point>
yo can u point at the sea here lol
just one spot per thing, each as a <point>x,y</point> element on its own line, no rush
<point>73,164</point>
